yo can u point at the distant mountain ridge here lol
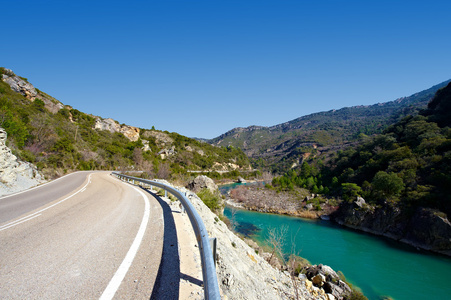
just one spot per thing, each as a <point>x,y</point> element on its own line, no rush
<point>288,142</point>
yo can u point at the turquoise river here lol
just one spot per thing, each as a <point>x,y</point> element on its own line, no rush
<point>378,266</point>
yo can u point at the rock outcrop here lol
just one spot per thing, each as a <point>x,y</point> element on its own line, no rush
<point>167,152</point>
<point>107,124</point>
<point>19,85</point>
<point>202,182</point>
<point>162,139</point>
<point>146,146</point>
<point>130,132</point>
<point>22,86</point>
<point>325,277</point>
<point>15,175</point>
<point>426,228</point>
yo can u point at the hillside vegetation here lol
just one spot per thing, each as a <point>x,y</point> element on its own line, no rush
<point>402,176</point>
<point>283,146</point>
<point>59,139</point>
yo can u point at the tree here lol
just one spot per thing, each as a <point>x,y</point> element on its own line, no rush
<point>350,191</point>
<point>305,170</point>
<point>138,157</point>
<point>163,171</point>
<point>387,185</point>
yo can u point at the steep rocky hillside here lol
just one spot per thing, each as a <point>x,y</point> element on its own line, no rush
<point>283,145</point>
<point>58,138</point>
<point>15,175</point>
<point>396,184</point>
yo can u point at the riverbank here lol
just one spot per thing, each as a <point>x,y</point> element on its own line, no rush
<point>381,267</point>
<point>242,273</point>
<point>425,229</point>
<point>296,203</point>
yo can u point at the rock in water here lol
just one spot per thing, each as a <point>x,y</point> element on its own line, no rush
<point>241,180</point>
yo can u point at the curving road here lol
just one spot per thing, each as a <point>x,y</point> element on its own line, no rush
<point>84,236</point>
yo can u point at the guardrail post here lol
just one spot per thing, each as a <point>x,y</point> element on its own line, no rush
<point>213,243</point>
<point>165,193</point>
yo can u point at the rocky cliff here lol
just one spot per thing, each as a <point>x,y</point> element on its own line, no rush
<point>130,132</point>
<point>15,175</point>
<point>22,86</point>
<point>424,228</point>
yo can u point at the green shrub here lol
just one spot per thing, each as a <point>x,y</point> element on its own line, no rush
<point>212,200</point>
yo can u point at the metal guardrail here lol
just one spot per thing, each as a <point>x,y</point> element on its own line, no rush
<point>210,279</point>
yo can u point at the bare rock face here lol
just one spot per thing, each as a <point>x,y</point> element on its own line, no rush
<point>426,228</point>
<point>201,182</point>
<point>19,85</point>
<point>107,124</point>
<point>161,138</point>
<point>167,152</point>
<point>146,146</point>
<point>130,132</point>
<point>25,88</point>
<point>325,277</point>
<point>15,175</point>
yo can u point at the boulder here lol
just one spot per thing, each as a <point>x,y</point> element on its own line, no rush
<point>319,280</point>
<point>344,286</point>
<point>167,152</point>
<point>107,124</point>
<point>130,132</point>
<point>330,297</point>
<point>360,202</point>
<point>146,146</point>
<point>302,277</point>
<point>201,182</point>
<point>241,179</point>
<point>327,271</point>
<point>334,290</point>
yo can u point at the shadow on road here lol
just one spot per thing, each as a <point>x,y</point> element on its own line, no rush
<point>192,279</point>
<point>167,284</point>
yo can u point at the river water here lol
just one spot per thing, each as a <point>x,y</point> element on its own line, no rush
<point>378,266</point>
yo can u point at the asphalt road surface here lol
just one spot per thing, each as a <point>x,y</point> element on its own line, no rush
<point>84,236</point>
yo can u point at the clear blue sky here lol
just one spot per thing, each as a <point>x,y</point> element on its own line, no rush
<point>201,68</point>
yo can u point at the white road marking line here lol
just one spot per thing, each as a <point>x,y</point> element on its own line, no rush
<point>116,281</point>
<point>18,222</point>
<point>31,216</point>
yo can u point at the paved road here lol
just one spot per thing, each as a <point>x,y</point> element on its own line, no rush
<point>102,239</point>
<point>18,204</point>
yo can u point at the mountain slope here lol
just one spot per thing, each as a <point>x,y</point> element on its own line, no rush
<point>59,139</point>
<point>285,144</point>
<point>397,183</point>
